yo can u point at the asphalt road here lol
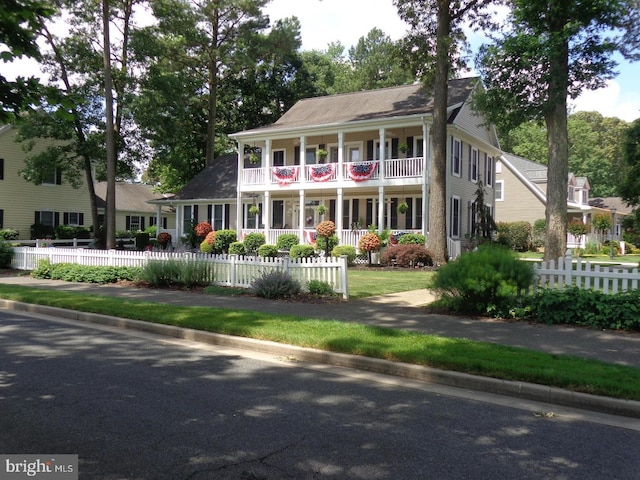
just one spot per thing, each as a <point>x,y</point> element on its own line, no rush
<point>134,406</point>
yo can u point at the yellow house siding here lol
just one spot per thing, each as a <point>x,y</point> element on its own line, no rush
<point>519,203</point>
<point>20,199</point>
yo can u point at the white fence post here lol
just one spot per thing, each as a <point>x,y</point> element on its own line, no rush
<point>568,269</point>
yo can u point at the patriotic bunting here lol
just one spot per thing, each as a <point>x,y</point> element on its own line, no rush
<point>322,173</point>
<point>285,175</point>
<point>362,171</point>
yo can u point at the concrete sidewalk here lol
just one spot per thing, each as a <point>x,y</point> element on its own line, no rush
<point>396,311</point>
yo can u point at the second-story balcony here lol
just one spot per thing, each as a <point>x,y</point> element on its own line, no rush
<point>396,171</point>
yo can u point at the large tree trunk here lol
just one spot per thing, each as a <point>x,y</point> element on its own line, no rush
<point>437,239</point>
<point>213,88</point>
<point>110,139</point>
<point>558,150</point>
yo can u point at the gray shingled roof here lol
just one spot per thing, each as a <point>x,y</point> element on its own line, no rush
<point>218,180</point>
<point>535,172</point>
<point>344,108</point>
<point>130,197</point>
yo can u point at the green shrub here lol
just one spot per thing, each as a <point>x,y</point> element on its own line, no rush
<point>268,250</point>
<point>515,235</point>
<point>348,250</point>
<point>589,308</point>
<point>275,284</point>
<point>320,288</point>
<point>591,248</point>
<point>72,272</point>
<point>6,254</point>
<point>237,248</point>
<point>68,232</point>
<point>485,281</point>
<point>206,247</point>
<point>302,251</point>
<point>253,241</point>
<point>408,255</point>
<point>188,273</point>
<point>142,240</point>
<point>152,230</point>
<point>538,232</point>
<point>286,241</point>
<point>224,238</point>
<point>412,238</point>
<point>321,243</point>
<point>8,234</point>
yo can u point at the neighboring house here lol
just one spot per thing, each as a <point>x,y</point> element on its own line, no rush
<point>521,191</point>
<point>23,204</point>
<point>359,155</point>
<point>133,211</point>
<point>612,206</point>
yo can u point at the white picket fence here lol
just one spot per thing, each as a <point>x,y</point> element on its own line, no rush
<point>226,270</point>
<point>567,273</point>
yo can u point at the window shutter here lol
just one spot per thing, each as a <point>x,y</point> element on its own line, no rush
<point>81,218</point>
<point>58,176</point>
<point>410,145</point>
<point>369,149</point>
<point>332,210</point>
<point>1,217</point>
<point>394,212</point>
<point>164,222</point>
<point>195,213</point>
<point>408,216</point>
<point>65,218</point>
<point>394,148</point>
<point>127,223</point>
<point>227,210</point>
<point>296,155</point>
<point>142,223</point>
<point>37,218</point>
<point>355,214</point>
<point>210,214</point>
<point>1,168</point>
<point>56,219</point>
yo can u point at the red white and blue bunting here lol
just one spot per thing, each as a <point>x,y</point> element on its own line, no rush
<point>361,171</point>
<point>285,175</point>
<point>322,173</point>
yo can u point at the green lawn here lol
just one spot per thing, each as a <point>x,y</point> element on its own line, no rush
<point>461,355</point>
<point>375,281</point>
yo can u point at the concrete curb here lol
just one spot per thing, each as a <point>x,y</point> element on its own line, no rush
<point>529,391</point>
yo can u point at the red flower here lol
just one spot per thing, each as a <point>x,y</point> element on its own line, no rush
<point>370,242</point>
<point>326,228</point>
<point>202,229</point>
<point>164,238</point>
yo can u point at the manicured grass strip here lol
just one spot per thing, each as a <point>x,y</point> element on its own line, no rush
<point>370,282</point>
<point>460,355</point>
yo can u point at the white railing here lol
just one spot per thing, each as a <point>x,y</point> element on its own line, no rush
<point>227,270</point>
<point>254,176</point>
<point>404,167</point>
<point>566,273</point>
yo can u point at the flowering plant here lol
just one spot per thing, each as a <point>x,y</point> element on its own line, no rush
<point>326,228</point>
<point>202,229</point>
<point>164,238</point>
<point>370,242</point>
<point>211,237</point>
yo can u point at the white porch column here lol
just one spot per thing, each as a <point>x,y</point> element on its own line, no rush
<point>266,215</point>
<point>339,226</point>
<point>302,175</point>
<point>179,222</point>
<point>301,219</point>
<point>380,209</point>
<point>267,154</point>
<point>381,154</point>
<point>158,218</point>
<point>340,156</point>
<point>239,213</point>
<point>425,210</point>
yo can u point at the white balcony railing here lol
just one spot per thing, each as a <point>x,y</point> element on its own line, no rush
<point>356,172</point>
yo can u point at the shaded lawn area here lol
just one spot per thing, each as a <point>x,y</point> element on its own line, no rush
<point>479,358</point>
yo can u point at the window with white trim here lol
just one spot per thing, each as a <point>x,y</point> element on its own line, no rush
<point>217,222</point>
<point>456,158</point>
<point>456,217</point>
<point>47,218</point>
<point>473,165</point>
<point>377,151</point>
<point>499,190</point>
<point>278,158</point>
<point>488,170</point>
<point>54,179</point>
<point>135,223</point>
<point>73,218</point>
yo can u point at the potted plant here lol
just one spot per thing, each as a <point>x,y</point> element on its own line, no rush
<point>254,158</point>
<point>403,207</point>
<point>254,210</point>
<point>322,209</point>
<point>403,147</point>
<point>322,154</point>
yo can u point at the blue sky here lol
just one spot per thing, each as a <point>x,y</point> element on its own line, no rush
<point>326,21</point>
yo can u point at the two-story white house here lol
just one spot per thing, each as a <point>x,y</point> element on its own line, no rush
<point>355,156</point>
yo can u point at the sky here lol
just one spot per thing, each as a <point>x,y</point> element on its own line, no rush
<point>346,21</point>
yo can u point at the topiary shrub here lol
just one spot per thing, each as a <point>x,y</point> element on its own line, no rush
<point>369,242</point>
<point>485,281</point>
<point>6,254</point>
<point>347,250</point>
<point>409,255</point>
<point>324,231</point>
<point>253,241</point>
<point>237,248</point>
<point>275,284</point>
<point>412,239</point>
<point>209,242</point>
<point>302,251</point>
<point>224,238</point>
<point>286,241</point>
<point>268,251</point>
<point>201,230</point>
